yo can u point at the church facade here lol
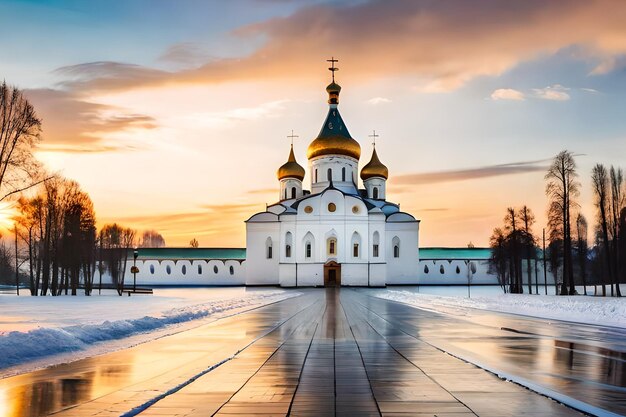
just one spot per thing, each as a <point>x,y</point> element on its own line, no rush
<point>333,233</point>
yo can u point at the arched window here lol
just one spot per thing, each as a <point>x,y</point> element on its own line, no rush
<point>184,269</point>
<point>396,247</point>
<point>315,174</point>
<point>199,269</point>
<point>356,245</point>
<point>329,174</point>
<point>375,244</point>
<point>343,174</point>
<point>232,270</point>
<point>375,193</point>
<point>332,246</point>
<point>168,269</point>
<point>284,198</point>
<point>268,248</point>
<point>293,192</point>
<point>307,252</point>
<point>152,269</point>
<point>288,243</point>
<point>308,242</point>
<point>215,269</point>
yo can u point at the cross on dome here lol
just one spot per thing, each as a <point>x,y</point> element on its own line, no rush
<point>374,136</point>
<point>292,137</point>
<point>333,68</point>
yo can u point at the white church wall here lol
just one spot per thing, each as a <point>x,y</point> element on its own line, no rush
<point>403,269</point>
<point>378,275</point>
<point>354,275</point>
<point>310,275</point>
<point>378,183</point>
<point>262,270</point>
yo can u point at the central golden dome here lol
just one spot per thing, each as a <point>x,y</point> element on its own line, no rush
<point>334,138</point>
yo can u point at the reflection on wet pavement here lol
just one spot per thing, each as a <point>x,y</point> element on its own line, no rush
<point>332,352</point>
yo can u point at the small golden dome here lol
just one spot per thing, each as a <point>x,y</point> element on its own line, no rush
<point>291,169</point>
<point>374,168</point>
<point>333,88</point>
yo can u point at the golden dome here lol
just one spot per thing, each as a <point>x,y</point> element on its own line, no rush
<point>374,168</point>
<point>291,169</point>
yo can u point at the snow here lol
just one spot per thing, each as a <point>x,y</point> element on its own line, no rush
<point>32,328</point>
<point>604,311</point>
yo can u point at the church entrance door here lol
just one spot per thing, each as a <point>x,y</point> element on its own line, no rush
<point>332,274</point>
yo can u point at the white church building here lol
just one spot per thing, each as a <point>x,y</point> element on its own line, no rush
<point>334,233</point>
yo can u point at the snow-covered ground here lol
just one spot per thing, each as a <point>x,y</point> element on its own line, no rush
<point>605,311</point>
<point>32,328</point>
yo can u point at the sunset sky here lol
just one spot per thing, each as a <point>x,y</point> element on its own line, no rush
<point>174,115</point>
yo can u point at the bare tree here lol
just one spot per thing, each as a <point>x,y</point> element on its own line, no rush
<point>527,218</point>
<point>152,239</point>
<point>19,132</point>
<point>562,190</point>
<point>194,243</point>
<point>116,242</point>
<point>582,248</point>
<point>615,206</point>
<point>600,182</point>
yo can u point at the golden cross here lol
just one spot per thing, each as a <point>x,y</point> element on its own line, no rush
<point>374,135</point>
<point>292,136</point>
<point>333,68</point>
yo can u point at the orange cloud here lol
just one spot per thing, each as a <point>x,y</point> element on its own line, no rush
<point>442,44</point>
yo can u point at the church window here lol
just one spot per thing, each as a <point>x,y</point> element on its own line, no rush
<point>168,269</point>
<point>375,193</point>
<point>315,174</point>
<point>232,270</point>
<point>308,209</point>
<point>199,269</point>
<point>285,193</point>
<point>332,207</point>
<point>376,243</point>
<point>152,269</point>
<point>441,270</point>
<point>184,269</point>
<point>329,174</point>
<point>355,209</point>
<point>396,247</point>
<point>332,246</point>
<point>215,269</point>
<point>293,192</point>
<point>268,248</point>
<point>356,244</point>
<point>343,174</point>
<point>426,269</point>
<point>288,251</point>
<point>307,252</point>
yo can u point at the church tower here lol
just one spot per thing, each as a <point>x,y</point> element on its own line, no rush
<point>290,175</point>
<point>334,155</point>
<point>374,175</point>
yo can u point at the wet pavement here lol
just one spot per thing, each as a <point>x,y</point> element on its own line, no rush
<point>329,352</point>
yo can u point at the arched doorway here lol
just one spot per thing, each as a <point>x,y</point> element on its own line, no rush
<point>332,274</point>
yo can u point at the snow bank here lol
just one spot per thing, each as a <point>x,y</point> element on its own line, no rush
<point>19,347</point>
<point>579,309</point>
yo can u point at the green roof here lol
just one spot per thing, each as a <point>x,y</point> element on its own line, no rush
<point>192,253</point>
<point>240,253</point>
<point>454,253</point>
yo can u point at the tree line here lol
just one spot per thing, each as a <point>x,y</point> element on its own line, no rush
<point>57,248</point>
<point>568,255</point>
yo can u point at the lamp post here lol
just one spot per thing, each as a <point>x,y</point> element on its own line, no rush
<point>135,255</point>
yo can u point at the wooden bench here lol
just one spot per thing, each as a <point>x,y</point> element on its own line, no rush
<point>138,291</point>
